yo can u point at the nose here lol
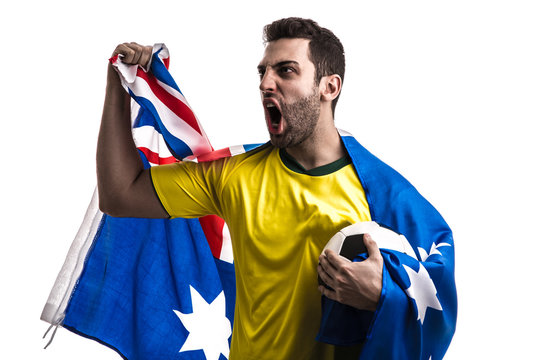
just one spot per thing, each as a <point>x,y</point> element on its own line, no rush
<point>268,83</point>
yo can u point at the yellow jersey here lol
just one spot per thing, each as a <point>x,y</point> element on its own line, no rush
<point>280,218</point>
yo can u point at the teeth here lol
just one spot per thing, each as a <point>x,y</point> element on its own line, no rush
<point>269,105</point>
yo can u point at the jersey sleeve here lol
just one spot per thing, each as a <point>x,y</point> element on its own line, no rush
<point>187,189</point>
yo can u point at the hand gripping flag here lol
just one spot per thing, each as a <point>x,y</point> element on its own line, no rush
<point>151,288</point>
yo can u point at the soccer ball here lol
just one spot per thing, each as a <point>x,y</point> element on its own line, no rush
<point>349,241</point>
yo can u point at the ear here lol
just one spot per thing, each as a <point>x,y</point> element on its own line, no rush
<point>330,87</point>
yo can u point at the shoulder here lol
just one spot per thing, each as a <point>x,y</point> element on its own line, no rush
<point>218,160</point>
<point>249,157</point>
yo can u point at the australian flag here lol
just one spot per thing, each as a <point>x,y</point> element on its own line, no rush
<point>152,288</point>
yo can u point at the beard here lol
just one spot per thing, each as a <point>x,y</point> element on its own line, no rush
<point>300,118</point>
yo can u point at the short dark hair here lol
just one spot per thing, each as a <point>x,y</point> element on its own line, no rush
<point>325,50</point>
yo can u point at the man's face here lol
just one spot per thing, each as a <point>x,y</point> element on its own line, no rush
<point>290,97</point>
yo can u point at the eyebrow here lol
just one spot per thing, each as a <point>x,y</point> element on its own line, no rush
<point>261,67</point>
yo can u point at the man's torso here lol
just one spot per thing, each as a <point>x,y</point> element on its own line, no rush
<point>279,220</point>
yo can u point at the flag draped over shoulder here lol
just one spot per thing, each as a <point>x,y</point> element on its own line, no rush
<point>139,285</point>
<point>165,289</point>
<point>416,315</point>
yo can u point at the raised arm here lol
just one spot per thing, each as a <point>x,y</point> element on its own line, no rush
<point>124,186</point>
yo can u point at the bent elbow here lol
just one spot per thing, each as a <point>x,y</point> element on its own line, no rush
<point>110,205</point>
<point>105,209</point>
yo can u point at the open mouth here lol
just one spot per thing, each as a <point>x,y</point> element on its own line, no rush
<point>274,120</point>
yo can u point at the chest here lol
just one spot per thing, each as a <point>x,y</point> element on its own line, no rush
<point>281,212</point>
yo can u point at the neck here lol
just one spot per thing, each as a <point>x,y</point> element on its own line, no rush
<point>322,147</point>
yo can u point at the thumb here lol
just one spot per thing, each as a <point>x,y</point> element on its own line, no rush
<point>372,247</point>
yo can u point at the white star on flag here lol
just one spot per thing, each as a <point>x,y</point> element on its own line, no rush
<point>422,290</point>
<point>208,326</point>
<point>433,251</point>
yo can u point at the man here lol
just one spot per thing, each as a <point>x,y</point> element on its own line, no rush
<point>282,202</point>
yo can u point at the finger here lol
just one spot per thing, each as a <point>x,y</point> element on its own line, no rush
<point>143,54</point>
<point>139,52</point>
<point>126,52</point>
<point>328,293</point>
<point>146,55</point>
<point>325,277</point>
<point>120,50</point>
<point>372,247</point>
<point>335,260</point>
<point>326,267</point>
<point>130,52</point>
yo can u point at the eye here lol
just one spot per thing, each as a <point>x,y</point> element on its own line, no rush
<point>287,70</point>
<point>261,72</point>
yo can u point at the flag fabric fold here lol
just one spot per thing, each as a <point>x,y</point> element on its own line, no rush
<point>165,289</point>
<point>417,312</point>
<point>125,280</point>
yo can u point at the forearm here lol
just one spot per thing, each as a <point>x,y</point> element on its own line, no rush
<point>118,162</point>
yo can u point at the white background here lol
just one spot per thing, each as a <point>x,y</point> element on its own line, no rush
<point>445,92</point>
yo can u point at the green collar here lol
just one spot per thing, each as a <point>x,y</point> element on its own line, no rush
<point>295,166</point>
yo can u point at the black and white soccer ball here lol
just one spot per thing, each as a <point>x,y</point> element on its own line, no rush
<point>349,241</point>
